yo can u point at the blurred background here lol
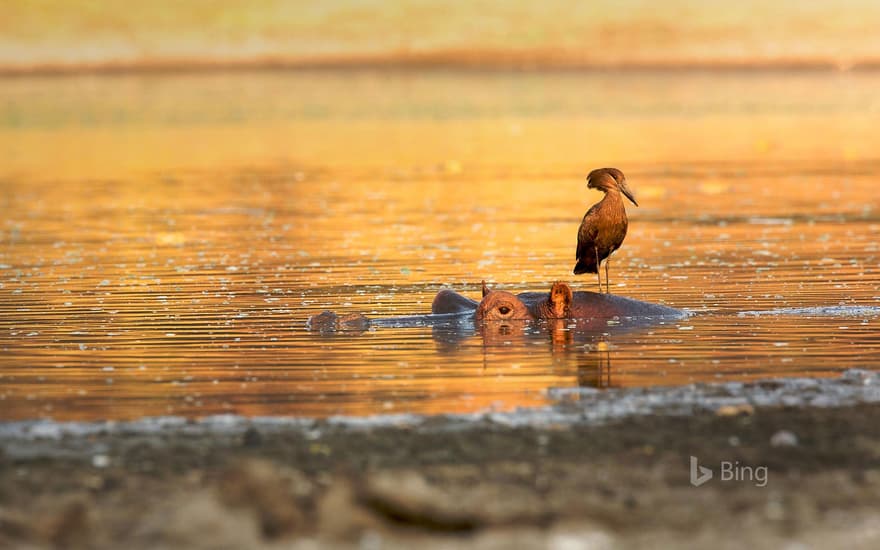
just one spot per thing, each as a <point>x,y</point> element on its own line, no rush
<point>76,34</point>
<point>766,73</point>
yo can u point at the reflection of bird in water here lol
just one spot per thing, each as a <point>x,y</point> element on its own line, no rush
<point>594,369</point>
<point>604,225</point>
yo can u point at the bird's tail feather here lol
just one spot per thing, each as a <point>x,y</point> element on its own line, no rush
<point>585,267</point>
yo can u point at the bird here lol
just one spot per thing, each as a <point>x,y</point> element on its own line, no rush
<point>604,225</point>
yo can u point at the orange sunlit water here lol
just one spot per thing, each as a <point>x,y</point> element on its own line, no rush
<point>164,238</point>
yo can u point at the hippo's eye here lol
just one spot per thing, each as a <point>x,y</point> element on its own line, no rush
<point>504,310</point>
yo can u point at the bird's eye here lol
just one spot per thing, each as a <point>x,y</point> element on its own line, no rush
<point>504,310</point>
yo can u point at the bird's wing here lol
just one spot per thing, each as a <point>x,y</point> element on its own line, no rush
<point>587,233</point>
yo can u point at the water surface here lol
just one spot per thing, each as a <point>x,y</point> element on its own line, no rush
<point>165,237</point>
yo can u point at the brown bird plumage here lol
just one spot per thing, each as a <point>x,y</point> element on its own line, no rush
<point>604,225</point>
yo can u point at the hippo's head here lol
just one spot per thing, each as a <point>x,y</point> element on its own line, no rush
<point>498,305</point>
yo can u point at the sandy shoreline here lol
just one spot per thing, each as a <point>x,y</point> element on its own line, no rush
<point>578,406</point>
<point>609,468</point>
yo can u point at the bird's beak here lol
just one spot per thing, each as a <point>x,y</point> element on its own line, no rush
<point>628,193</point>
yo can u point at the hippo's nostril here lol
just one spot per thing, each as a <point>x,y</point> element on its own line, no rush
<point>504,310</point>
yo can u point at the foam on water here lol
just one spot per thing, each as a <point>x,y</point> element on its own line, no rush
<point>818,311</point>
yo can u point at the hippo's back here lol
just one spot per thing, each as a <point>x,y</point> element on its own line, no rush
<point>592,304</point>
<point>449,301</point>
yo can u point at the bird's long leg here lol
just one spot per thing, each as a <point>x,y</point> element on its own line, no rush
<point>599,277</point>
<point>607,289</point>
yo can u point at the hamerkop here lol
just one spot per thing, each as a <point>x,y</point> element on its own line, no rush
<point>604,225</point>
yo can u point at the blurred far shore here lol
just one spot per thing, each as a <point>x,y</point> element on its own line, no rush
<point>58,36</point>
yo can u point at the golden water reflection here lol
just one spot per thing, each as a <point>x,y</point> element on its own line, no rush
<point>164,238</point>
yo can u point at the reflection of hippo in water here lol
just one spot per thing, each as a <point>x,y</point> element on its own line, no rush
<point>498,305</point>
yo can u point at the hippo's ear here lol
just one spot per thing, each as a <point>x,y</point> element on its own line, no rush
<point>485,289</point>
<point>560,298</point>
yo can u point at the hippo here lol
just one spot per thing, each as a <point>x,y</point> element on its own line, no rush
<point>498,305</point>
